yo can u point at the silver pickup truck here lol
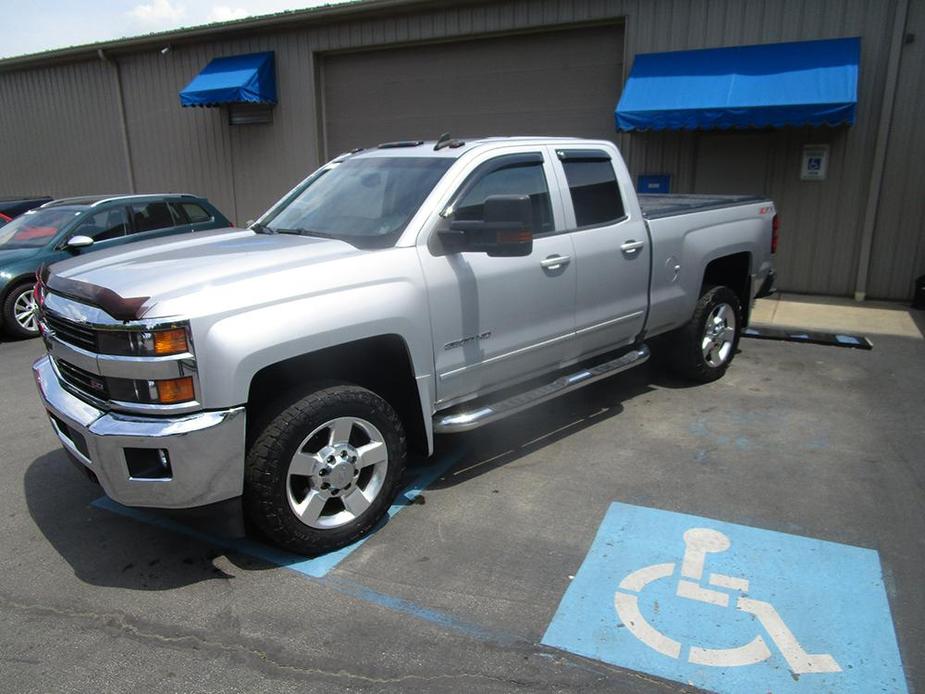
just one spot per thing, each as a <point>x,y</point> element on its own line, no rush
<point>408,290</point>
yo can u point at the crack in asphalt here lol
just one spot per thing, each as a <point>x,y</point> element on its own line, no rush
<point>122,623</point>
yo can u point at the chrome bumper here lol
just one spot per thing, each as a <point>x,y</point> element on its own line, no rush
<point>205,449</point>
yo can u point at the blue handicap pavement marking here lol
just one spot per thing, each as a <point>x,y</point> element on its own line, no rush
<point>730,608</point>
<point>317,567</point>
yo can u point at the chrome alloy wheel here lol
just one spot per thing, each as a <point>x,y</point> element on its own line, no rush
<point>24,312</point>
<point>719,335</point>
<point>337,472</point>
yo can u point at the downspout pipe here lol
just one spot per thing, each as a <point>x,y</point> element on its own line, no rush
<point>123,126</point>
<point>880,150</point>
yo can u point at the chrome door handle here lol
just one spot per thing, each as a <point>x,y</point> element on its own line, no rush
<point>554,262</point>
<point>632,246</point>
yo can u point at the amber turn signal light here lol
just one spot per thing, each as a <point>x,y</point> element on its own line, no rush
<point>175,390</point>
<point>170,341</point>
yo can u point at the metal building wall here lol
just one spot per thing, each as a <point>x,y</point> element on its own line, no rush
<point>898,252</point>
<point>60,132</point>
<point>822,220</point>
<point>245,168</point>
<point>242,169</point>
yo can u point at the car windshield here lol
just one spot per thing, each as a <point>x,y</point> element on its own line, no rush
<point>366,201</point>
<point>35,228</point>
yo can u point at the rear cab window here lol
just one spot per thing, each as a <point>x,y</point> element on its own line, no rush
<point>593,187</point>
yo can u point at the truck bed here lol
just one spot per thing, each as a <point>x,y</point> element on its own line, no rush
<point>670,205</point>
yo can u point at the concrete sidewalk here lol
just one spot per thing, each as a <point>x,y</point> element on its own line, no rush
<point>830,313</point>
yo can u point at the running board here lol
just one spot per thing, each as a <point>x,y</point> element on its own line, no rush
<point>456,422</point>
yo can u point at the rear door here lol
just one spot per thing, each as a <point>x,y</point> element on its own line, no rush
<point>499,320</point>
<point>611,249</point>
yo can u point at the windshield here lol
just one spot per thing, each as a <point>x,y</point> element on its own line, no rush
<point>35,228</point>
<point>366,202</point>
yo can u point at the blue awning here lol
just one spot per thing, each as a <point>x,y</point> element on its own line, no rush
<point>771,85</point>
<point>236,79</point>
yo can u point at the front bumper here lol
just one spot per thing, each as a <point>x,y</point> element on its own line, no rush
<point>205,449</point>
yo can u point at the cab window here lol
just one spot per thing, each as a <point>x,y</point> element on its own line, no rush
<point>593,186</point>
<point>513,174</point>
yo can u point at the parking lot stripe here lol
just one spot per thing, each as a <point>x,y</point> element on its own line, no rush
<point>316,567</point>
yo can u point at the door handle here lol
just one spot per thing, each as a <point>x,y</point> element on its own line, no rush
<point>631,246</point>
<point>554,262</point>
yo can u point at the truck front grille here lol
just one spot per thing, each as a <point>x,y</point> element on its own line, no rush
<point>73,333</point>
<point>85,382</point>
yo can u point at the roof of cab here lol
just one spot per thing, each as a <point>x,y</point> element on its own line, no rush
<point>454,148</point>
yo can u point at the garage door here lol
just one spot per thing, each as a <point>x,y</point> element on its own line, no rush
<point>552,83</point>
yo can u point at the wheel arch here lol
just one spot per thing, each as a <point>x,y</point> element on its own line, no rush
<point>381,363</point>
<point>733,271</point>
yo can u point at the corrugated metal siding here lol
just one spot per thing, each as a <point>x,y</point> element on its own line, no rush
<point>244,169</point>
<point>822,220</point>
<point>898,253</point>
<point>59,132</point>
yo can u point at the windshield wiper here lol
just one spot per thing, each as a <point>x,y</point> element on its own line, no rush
<point>261,228</point>
<point>306,232</point>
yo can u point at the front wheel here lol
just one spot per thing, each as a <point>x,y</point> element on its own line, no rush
<point>703,348</point>
<point>19,317</point>
<point>323,472</point>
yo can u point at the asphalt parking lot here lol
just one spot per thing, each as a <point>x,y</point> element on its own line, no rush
<point>457,591</point>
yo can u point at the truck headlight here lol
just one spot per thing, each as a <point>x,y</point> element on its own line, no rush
<point>144,343</point>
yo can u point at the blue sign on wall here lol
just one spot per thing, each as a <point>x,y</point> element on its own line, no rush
<point>652,183</point>
<point>730,608</point>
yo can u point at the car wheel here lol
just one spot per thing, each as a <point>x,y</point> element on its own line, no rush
<point>19,317</point>
<point>325,470</point>
<point>703,348</point>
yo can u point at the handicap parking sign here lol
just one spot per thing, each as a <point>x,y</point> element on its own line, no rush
<point>730,608</point>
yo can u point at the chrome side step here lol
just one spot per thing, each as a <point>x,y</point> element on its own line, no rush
<point>459,421</point>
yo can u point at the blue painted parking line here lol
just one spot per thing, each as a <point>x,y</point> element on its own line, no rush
<point>316,566</point>
<point>730,608</point>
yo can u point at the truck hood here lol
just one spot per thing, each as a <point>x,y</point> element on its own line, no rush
<point>164,274</point>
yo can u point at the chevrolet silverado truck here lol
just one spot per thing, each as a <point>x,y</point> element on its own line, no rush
<point>397,293</point>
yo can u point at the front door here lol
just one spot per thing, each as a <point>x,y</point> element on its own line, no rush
<point>496,321</point>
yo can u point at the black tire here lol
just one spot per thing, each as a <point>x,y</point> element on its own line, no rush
<point>10,325</point>
<point>267,481</point>
<point>686,357</point>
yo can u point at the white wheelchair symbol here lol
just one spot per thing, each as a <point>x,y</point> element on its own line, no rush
<point>698,543</point>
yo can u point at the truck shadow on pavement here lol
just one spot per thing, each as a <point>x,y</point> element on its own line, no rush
<point>110,550</point>
<point>513,438</point>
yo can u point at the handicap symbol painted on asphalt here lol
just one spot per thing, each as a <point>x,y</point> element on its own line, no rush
<point>730,608</point>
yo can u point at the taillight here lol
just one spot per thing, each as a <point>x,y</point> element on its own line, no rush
<point>775,233</point>
<point>5,218</point>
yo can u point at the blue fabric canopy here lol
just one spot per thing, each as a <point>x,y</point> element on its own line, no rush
<point>771,85</point>
<point>235,79</point>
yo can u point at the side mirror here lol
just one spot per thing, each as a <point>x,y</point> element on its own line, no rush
<point>505,231</point>
<point>77,242</point>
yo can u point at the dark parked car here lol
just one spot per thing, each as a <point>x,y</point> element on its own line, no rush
<point>63,228</point>
<point>13,207</point>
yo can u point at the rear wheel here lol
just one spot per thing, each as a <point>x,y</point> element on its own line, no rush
<point>703,348</point>
<point>323,472</point>
<point>19,317</point>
